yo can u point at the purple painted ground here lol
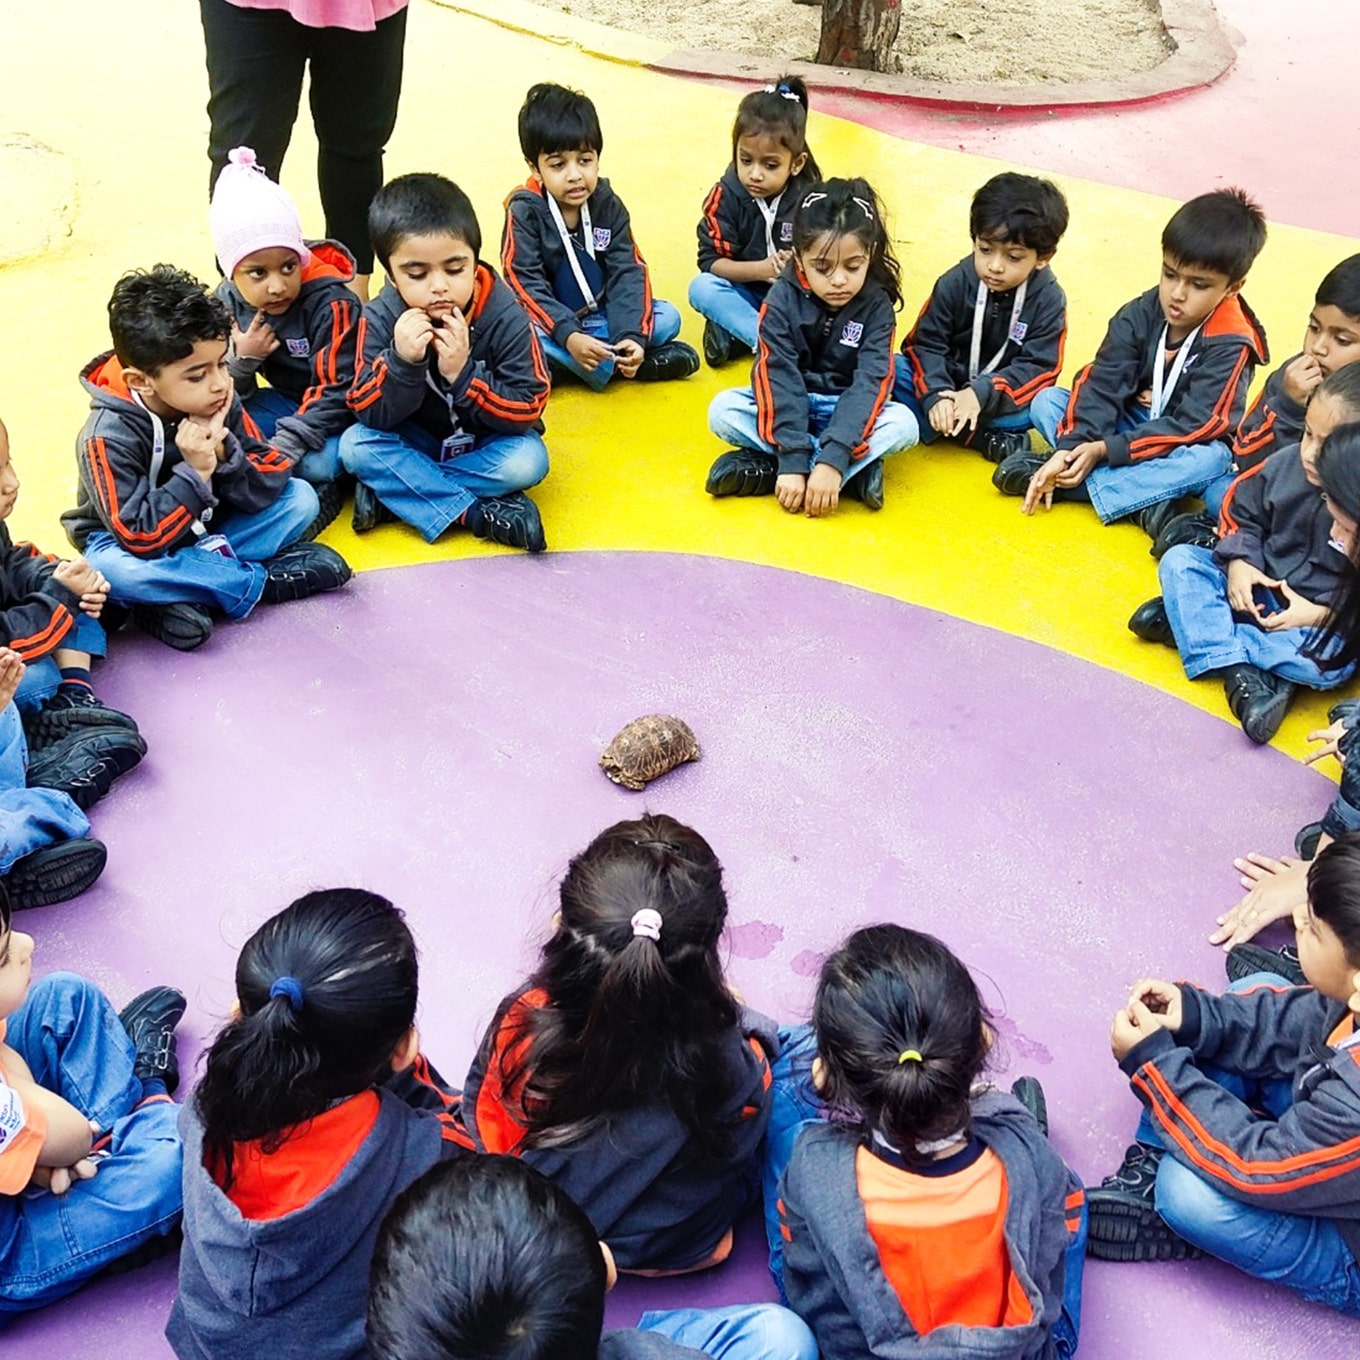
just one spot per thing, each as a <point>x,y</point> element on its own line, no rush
<point>433,734</point>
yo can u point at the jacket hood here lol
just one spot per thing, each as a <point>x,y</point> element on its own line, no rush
<point>1234,319</point>
<point>102,378</point>
<point>330,260</point>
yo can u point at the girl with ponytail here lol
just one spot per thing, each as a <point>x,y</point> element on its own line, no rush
<point>624,1069</point>
<point>916,1198</point>
<point>295,1141</point>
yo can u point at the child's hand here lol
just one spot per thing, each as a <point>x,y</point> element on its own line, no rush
<point>258,342</point>
<point>1297,613</point>
<point>1300,378</point>
<point>79,577</point>
<point>1131,1026</point>
<point>627,358</point>
<point>11,672</point>
<point>777,261</point>
<point>412,334</point>
<point>589,352</point>
<point>1242,577</point>
<point>452,344</point>
<point>823,491</point>
<point>201,442</point>
<point>942,415</point>
<point>789,490</point>
<point>967,410</point>
<point>59,1179</point>
<point>1082,462</point>
<point>1163,999</point>
<point>1275,887</point>
<point>1331,736</point>
<point>1043,484</point>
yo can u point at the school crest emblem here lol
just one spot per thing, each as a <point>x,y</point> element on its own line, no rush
<point>786,233</point>
<point>299,349</point>
<point>852,334</point>
<point>602,237</point>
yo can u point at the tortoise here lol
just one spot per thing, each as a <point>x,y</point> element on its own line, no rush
<point>647,748</point>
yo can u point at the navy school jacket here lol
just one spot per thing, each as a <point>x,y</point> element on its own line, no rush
<point>1274,421</point>
<point>314,363</point>
<point>1305,1162</point>
<point>1207,402</point>
<point>806,348</point>
<point>502,389</point>
<point>939,344</point>
<point>650,1192</point>
<point>36,612</point>
<point>733,227</point>
<point>152,510</point>
<point>535,265</point>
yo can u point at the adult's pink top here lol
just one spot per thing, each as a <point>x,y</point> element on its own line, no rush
<point>359,15</point>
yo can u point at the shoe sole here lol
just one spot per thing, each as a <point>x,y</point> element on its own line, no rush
<point>1132,1232</point>
<point>1267,721</point>
<point>178,632</point>
<point>66,872</point>
<point>44,728</point>
<point>1246,960</point>
<point>331,498</point>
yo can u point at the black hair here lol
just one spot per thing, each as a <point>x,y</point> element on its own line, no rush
<point>901,1031</point>
<point>778,110</point>
<point>1334,892</point>
<point>158,315</point>
<point>1337,643</point>
<point>422,204</point>
<point>327,990</point>
<point>849,207</point>
<point>1341,287</point>
<point>1222,231</point>
<point>6,910</point>
<point>483,1258</point>
<point>1023,209</point>
<point>554,118</point>
<point>630,1021</point>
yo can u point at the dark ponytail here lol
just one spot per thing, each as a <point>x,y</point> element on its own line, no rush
<point>631,1020</point>
<point>849,207</point>
<point>327,989</point>
<point>778,110</point>
<point>901,1034</point>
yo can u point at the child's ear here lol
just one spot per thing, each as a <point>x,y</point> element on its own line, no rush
<point>1045,261</point>
<point>137,380</point>
<point>1235,288</point>
<point>799,162</point>
<point>407,1050</point>
<point>611,1270</point>
<point>818,1074</point>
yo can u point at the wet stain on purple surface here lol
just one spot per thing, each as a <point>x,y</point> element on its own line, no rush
<point>1024,1048</point>
<point>433,733</point>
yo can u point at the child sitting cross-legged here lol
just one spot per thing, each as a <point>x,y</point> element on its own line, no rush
<point>1246,1146</point>
<point>292,323</point>
<point>451,385</point>
<point>1255,609</point>
<point>484,1257</point>
<point>89,1150</point>
<point>990,336</point>
<point>1150,419</point>
<point>568,252</point>
<point>182,507</point>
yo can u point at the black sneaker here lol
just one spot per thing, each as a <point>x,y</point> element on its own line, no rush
<point>182,626</point>
<point>1149,622</point>
<point>1245,959</point>
<point>369,511</point>
<point>743,472</point>
<point>72,707</point>
<point>1015,472</point>
<point>512,521</point>
<point>1306,840</point>
<point>1198,529</point>
<point>998,445</point>
<point>1258,700</point>
<point>1031,1095</point>
<point>718,344</point>
<point>331,497</point>
<point>304,569</point>
<point>1124,1222</point>
<point>56,873</point>
<point>85,764</point>
<point>1153,519</point>
<point>664,363</point>
<point>150,1019</point>
<point>866,487</point>
<point>153,1249</point>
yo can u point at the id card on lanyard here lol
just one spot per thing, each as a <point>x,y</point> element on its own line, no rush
<point>459,442</point>
<point>769,210</point>
<point>1164,383</point>
<point>1014,330</point>
<point>198,526</point>
<point>587,240</point>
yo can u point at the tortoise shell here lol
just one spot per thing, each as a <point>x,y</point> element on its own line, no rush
<point>647,748</point>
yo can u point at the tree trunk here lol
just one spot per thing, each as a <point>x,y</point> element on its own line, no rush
<point>859,33</point>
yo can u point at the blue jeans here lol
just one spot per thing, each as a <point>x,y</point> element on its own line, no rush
<point>29,818</point>
<point>665,327</point>
<point>68,1033</point>
<point>732,417</point>
<point>757,1331</point>
<point>266,408</point>
<point>1117,492</point>
<point>1210,636</point>
<point>904,390</point>
<point>42,675</point>
<point>733,306</point>
<point>197,576</point>
<point>403,470</point>
<point>1307,1254</point>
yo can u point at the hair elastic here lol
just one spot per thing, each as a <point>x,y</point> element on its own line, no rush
<point>909,1055</point>
<point>289,987</point>
<point>647,921</point>
<point>811,199</point>
<point>868,210</point>
<point>783,92</point>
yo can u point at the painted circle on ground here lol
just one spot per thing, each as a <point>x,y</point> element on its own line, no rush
<point>432,733</point>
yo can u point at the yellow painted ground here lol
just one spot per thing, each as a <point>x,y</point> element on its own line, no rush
<point>118,92</point>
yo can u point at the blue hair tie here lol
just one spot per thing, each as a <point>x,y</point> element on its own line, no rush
<point>289,987</point>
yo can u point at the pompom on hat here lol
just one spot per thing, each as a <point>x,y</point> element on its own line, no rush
<point>249,212</point>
